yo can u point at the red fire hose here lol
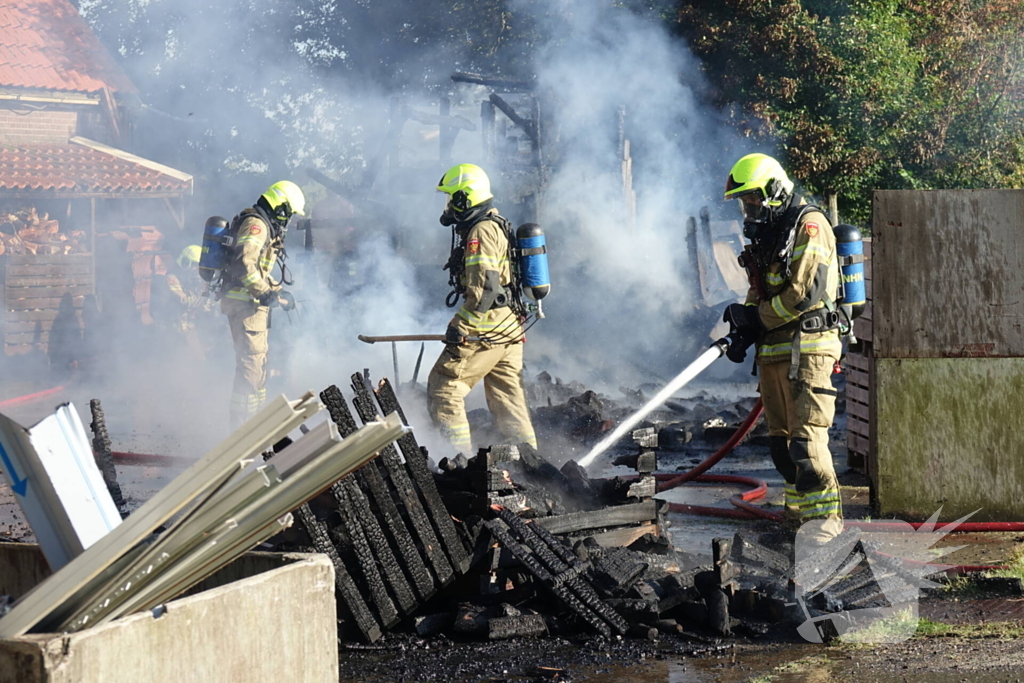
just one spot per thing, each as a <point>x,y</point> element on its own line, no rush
<point>745,510</point>
<point>31,398</point>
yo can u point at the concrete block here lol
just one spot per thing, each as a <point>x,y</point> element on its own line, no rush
<point>273,617</point>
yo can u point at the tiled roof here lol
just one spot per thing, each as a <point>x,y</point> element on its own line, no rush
<point>46,44</point>
<point>83,168</point>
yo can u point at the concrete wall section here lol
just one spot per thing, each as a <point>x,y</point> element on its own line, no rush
<point>948,273</point>
<point>946,434</point>
<point>279,625</point>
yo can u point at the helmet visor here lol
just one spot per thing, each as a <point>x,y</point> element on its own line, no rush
<point>752,205</point>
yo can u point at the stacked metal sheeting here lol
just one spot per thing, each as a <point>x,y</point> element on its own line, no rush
<point>226,503</point>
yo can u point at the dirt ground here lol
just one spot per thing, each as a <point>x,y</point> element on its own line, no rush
<point>965,646</point>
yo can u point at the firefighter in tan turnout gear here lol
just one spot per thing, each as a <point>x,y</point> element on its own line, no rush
<point>484,340</point>
<point>790,313</point>
<point>250,290</point>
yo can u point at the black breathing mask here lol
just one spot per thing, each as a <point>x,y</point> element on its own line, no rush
<point>756,219</point>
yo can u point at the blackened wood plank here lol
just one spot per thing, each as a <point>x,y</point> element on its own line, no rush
<point>371,481</point>
<point>354,609</point>
<point>399,478</point>
<point>416,461</point>
<point>367,563</point>
<point>390,569</point>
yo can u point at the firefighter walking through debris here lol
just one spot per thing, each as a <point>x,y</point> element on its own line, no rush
<point>250,290</point>
<point>790,313</point>
<point>484,340</point>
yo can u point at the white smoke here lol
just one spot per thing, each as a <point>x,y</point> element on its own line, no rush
<point>231,98</point>
<point>623,294</point>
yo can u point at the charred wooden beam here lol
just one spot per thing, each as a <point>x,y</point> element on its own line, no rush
<point>416,462</point>
<point>507,84</point>
<point>371,480</point>
<point>526,125</point>
<point>101,450</point>
<point>374,582</point>
<point>615,515</point>
<point>645,437</point>
<point>644,488</point>
<point>428,542</point>
<point>617,571</point>
<point>501,628</point>
<point>502,535</point>
<point>551,552</point>
<point>725,570</point>
<point>390,569</point>
<point>749,552</point>
<point>354,609</point>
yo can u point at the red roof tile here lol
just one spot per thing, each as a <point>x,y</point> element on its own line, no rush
<point>76,169</point>
<point>46,44</point>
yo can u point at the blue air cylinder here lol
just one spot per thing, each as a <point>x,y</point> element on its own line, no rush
<point>533,261</point>
<point>216,247</point>
<point>850,249</point>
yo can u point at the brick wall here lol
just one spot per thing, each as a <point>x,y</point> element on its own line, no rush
<point>37,127</point>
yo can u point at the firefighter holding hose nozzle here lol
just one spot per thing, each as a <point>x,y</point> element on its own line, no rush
<point>790,315</point>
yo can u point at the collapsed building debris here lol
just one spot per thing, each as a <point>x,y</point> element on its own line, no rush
<point>507,545</point>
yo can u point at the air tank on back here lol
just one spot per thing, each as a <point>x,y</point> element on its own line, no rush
<point>533,261</point>
<point>216,247</point>
<point>850,249</point>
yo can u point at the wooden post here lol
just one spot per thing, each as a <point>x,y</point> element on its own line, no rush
<point>92,240</point>
<point>447,137</point>
<point>832,202</point>
<point>487,129</point>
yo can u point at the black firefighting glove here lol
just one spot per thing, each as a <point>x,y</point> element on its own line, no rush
<point>287,300</point>
<point>738,345</point>
<point>744,328</point>
<point>743,318</point>
<point>453,336</point>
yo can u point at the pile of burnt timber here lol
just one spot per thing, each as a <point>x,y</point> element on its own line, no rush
<point>393,543</point>
<point>506,545</point>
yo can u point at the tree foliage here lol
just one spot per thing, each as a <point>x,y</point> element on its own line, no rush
<point>857,94</point>
<point>871,93</point>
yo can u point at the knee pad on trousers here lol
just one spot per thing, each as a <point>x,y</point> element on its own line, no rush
<point>778,446</point>
<point>807,478</point>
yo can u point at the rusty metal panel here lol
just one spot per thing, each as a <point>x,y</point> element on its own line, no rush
<point>946,432</point>
<point>949,277</point>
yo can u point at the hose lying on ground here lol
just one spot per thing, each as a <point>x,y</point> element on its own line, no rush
<point>31,398</point>
<point>745,510</point>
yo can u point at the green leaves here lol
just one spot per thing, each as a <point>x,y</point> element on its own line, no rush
<point>872,93</point>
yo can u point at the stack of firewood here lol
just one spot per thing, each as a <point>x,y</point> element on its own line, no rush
<point>25,231</point>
